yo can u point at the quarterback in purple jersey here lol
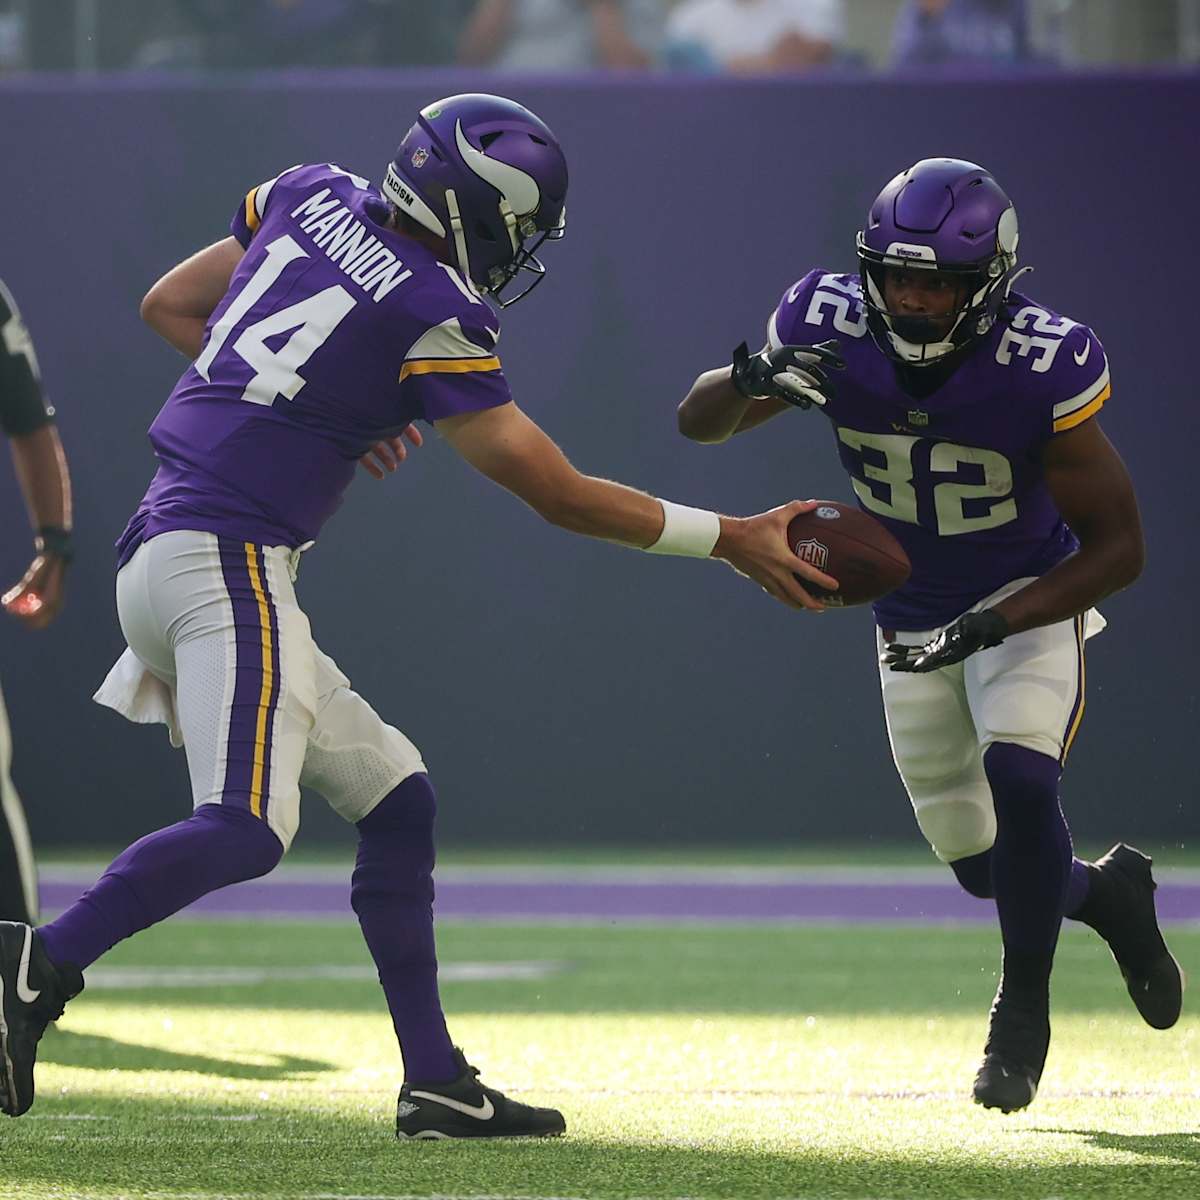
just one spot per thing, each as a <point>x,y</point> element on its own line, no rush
<point>335,315</point>
<point>965,414</point>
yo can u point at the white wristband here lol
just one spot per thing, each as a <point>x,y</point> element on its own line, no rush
<point>692,532</point>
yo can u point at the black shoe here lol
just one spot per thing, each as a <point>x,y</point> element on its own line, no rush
<point>1018,1039</point>
<point>465,1108</point>
<point>33,992</point>
<point>1120,908</point>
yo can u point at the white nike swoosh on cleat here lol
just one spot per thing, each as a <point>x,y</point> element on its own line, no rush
<point>9,1083</point>
<point>481,1112</point>
<point>25,993</point>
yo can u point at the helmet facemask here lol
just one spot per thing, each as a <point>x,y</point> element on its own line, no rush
<point>918,340</point>
<point>520,230</point>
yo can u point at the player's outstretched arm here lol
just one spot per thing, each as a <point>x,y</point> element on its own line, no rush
<point>178,306</point>
<point>512,450</point>
<point>1092,489</point>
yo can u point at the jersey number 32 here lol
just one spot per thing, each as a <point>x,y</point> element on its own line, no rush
<point>906,478</point>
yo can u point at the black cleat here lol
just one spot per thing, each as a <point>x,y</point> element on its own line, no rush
<point>33,992</point>
<point>464,1108</point>
<point>1120,908</point>
<point>1018,1039</point>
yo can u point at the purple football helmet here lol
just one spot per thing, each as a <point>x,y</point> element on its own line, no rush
<point>489,176</point>
<point>945,215</point>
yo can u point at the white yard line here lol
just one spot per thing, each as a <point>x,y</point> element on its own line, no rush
<point>513,874</point>
<point>102,977</point>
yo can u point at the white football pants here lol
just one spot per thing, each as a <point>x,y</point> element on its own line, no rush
<point>1029,691</point>
<point>220,652</point>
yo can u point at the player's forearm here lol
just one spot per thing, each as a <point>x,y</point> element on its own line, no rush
<point>1077,583</point>
<point>611,511</point>
<point>41,467</point>
<point>601,508</point>
<point>714,409</point>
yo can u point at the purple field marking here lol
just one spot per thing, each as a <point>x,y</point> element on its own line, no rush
<point>826,899</point>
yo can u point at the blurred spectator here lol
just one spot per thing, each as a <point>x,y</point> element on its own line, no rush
<point>262,33</point>
<point>754,37</point>
<point>973,32</point>
<point>12,37</point>
<point>563,35</point>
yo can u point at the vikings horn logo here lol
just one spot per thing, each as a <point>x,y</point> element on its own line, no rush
<point>815,553</point>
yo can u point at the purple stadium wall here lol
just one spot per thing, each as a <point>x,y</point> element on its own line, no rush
<point>571,691</point>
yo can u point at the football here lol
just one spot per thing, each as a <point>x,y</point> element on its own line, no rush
<point>851,546</point>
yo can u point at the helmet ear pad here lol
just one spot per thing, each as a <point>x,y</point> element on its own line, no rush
<point>486,174</point>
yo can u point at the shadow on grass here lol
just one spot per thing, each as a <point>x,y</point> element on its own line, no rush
<point>1182,1147</point>
<point>67,1049</point>
<point>141,1146</point>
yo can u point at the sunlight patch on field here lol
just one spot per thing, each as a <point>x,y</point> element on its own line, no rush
<point>711,1065</point>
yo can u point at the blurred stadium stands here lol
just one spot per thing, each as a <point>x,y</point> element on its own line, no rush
<point>115,35</point>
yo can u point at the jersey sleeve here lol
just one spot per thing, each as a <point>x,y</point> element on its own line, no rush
<point>453,368</point>
<point>250,213</point>
<point>1081,380</point>
<point>817,307</point>
<point>23,407</point>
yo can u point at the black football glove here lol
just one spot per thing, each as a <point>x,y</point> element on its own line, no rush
<point>798,375</point>
<point>975,631</point>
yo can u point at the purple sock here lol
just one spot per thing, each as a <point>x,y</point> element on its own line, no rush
<point>1031,861</point>
<point>392,894</point>
<point>974,875</point>
<point>160,874</point>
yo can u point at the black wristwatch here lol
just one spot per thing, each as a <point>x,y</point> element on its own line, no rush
<point>56,540</point>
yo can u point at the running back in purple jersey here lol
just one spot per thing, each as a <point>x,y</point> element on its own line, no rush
<point>956,476</point>
<point>335,333</point>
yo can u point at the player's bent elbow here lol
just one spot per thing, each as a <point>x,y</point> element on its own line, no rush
<point>692,426</point>
<point>153,307</point>
<point>1133,561</point>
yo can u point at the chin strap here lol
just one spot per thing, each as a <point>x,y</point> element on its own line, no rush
<point>460,237</point>
<point>510,223</point>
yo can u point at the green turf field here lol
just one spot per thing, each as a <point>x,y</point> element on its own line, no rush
<point>690,1062</point>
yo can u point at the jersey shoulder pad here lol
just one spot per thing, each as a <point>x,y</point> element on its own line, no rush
<point>453,330</point>
<point>315,183</point>
<point>1058,360</point>
<point>821,305</point>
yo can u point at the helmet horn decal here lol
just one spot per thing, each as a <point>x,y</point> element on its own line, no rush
<point>518,187</point>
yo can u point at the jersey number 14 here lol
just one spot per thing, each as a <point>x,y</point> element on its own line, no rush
<point>276,372</point>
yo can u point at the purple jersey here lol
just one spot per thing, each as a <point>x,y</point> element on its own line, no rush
<point>956,476</point>
<point>335,332</point>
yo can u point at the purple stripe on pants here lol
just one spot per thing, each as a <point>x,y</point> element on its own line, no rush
<point>248,679</point>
